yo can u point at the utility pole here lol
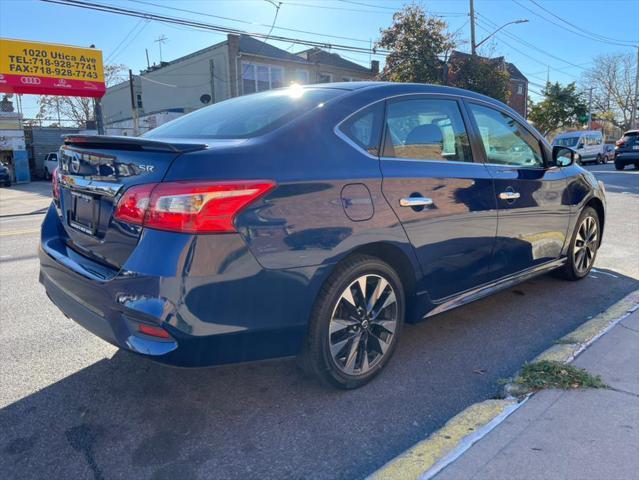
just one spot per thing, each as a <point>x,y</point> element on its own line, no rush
<point>148,64</point>
<point>635,105</point>
<point>134,107</point>
<point>472,28</point>
<point>590,109</point>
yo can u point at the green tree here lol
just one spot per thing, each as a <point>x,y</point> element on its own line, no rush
<point>479,74</point>
<point>416,42</point>
<point>560,108</point>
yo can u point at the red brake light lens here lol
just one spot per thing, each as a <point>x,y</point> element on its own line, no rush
<point>153,331</point>
<point>55,185</point>
<point>190,207</point>
<point>134,203</point>
<point>620,143</point>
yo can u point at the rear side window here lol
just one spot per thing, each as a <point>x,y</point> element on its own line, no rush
<point>364,128</point>
<point>426,129</point>
<point>506,142</point>
<point>247,116</point>
<point>566,141</point>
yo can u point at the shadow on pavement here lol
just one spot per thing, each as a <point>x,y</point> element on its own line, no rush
<point>127,417</point>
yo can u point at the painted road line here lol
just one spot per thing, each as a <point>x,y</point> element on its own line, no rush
<point>428,457</point>
<point>20,232</point>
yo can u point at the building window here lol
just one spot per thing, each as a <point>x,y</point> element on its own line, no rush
<point>325,78</point>
<point>301,76</point>
<point>258,78</point>
<point>349,79</point>
<point>520,89</point>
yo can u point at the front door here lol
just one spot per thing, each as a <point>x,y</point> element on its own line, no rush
<point>532,198</point>
<point>442,196</point>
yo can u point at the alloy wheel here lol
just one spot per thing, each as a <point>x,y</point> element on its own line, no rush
<point>586,244</point>
<point>363,324</point>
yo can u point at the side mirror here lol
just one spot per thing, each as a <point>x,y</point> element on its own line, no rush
<point>564,156</point>
<point>580,145</point>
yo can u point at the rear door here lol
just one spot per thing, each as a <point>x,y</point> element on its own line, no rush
<point>444,199</point>
<point>532,198</point>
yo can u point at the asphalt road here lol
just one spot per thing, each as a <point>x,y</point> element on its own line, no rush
<point>71,406</point>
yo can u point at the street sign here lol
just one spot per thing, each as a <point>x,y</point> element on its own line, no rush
<point>50,69</point>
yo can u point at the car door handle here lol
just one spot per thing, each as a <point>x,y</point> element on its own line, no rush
<point>415,202</point>
<point>509,195</point>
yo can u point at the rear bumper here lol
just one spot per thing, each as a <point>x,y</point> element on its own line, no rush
<point>208,292</point>
<point>627,158</point>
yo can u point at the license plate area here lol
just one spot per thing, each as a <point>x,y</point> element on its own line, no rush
<point>84,213</point>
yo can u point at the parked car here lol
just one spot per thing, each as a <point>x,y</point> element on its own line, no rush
<point>50,164</point>
<point>627,150</point>
<point>5,175</point>
<point>588,144</point>
<point>609,152</point>
<point>310,221</point>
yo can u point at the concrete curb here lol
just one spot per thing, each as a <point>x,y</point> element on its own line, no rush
<point>427,458</point>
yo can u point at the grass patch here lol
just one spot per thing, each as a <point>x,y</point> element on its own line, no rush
<point>547,374</point>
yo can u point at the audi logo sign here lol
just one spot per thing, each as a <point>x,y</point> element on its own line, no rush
<point>30,80</point>
<point>50,69</point>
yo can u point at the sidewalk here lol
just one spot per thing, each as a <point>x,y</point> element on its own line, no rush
<point>25,198</point>
<point>577,434</point>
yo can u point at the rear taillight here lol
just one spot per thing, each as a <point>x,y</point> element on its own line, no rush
<point>55,185</point>
<point>190,207</point>
<point>619,143</point>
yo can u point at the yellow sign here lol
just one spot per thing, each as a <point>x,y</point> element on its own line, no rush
<point>43,68</point>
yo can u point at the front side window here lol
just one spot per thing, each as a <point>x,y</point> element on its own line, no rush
<point>364,128</point>
<point>505,141</point>
<point>426,129</point>
<point>259,78</point>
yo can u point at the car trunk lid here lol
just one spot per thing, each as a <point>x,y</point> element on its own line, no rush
<point>94,171</point>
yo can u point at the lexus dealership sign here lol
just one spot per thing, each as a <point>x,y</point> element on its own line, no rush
<point>50,69</point>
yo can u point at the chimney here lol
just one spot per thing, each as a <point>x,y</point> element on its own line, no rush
<point>374,67</point>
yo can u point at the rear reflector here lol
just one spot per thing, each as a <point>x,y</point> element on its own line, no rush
<point>152,331</point>
<point>190,207</point>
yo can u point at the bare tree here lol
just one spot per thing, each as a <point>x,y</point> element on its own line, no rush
<point>77,109</point>
<point>612,80</point>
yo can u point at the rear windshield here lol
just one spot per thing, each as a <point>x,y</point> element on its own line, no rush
<point>247,116</point>
<point>566,141</point>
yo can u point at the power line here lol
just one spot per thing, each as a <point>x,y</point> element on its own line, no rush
<point>137,24</point>
<point>246,22</point>
<point>379,12</point>
<point>212,27</point>
<point>382,7</point>
<point>530,45</point>
<point>601,38</point>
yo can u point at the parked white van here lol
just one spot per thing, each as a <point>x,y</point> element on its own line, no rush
<point>589,144</point>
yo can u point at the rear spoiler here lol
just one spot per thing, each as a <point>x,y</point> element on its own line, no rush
<point>114,142</point>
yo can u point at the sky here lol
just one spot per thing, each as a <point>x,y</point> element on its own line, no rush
<point>544,42</point>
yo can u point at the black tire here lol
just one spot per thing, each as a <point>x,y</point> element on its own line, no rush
<point>369,345</point>
<point>599,159</point>
<point>46,174</point>
<point>619,166</point>
<point>605,159</point>
<point>574,269</point>
<point>636,166</point>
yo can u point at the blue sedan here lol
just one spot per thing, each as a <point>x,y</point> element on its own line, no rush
<point>310,221</point>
